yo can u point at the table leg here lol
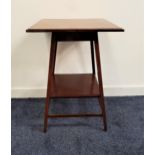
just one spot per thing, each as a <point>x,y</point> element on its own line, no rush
<point>101,98</point>
<point>92,56</point>
<point>50,73</point>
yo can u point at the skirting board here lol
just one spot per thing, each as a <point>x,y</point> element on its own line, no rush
<point>108,91</point>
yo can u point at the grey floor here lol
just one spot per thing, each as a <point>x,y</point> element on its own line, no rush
<point>78,136</point>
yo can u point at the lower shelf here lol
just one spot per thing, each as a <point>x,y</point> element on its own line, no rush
<point>74,85</point>
<point>75,115</point>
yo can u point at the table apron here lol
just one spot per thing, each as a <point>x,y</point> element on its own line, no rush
<point>75,36</point>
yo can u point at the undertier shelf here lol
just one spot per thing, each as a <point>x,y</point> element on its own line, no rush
<point>74,85</point>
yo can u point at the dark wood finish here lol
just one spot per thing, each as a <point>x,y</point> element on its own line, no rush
<point>75,115</point>
<point>45,30</point>
<point>101,98</point>
<point>50,73</point>
<point>74,85</point>
<point>74,36</point>
<point>92,56</point>
<point>74,25</point>
<point>54,55</point>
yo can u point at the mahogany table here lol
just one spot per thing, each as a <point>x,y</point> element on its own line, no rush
<point>75,85</point>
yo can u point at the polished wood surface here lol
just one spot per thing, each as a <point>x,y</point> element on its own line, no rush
<point>99,73</point>
<point>74,85</point>
<point>51,68</point>
<point>51,25</point>
<point>75,115</point>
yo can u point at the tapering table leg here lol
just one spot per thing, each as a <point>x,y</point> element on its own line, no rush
<point>50,73</point>
<point>92,56</point>
<point>101,98</point>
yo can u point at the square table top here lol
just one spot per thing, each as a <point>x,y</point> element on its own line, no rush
<point>64,25</point>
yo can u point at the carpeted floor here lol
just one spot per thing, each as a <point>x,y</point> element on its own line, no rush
<point>78,136</point>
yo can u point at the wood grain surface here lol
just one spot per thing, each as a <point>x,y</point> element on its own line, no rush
<point>51,25</point>
<point>74,85</point>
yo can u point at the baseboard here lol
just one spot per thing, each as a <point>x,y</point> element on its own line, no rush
<point>108,91</point>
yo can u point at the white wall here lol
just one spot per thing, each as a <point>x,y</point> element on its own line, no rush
<point>121,53</point>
